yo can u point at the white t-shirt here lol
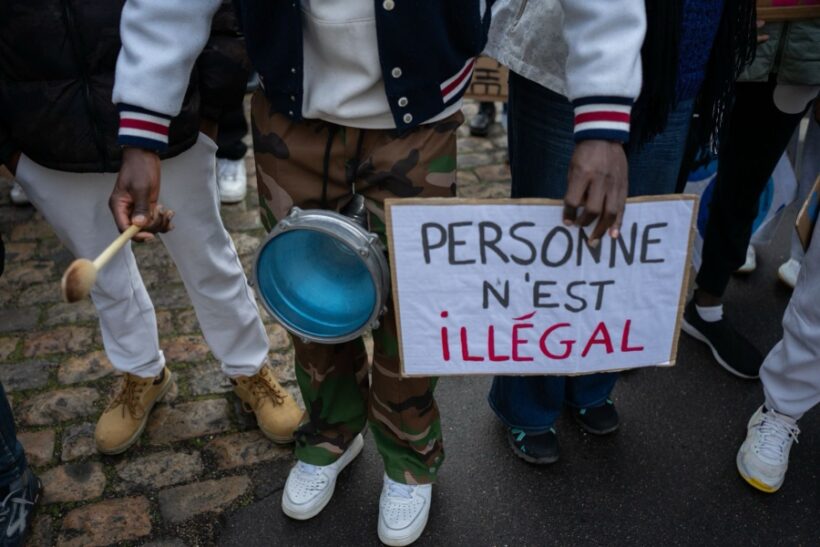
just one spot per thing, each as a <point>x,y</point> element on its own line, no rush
<point>343,81</point>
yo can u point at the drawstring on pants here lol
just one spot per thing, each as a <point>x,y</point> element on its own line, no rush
<point>351,168</point>
<point>331,133</point>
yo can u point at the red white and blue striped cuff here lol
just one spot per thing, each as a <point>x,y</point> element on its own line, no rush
<point>602,118</point>
<point>143,128</point>
<point>456,84</point>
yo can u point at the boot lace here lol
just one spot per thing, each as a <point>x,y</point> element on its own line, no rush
<point>775,434</point>
<point>262,388</point>
<point>130,397</point>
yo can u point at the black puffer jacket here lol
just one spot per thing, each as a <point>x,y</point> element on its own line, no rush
<point>57,61</point>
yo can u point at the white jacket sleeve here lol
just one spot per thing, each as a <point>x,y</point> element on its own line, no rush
<point>161,40</point>
<point>604,64</point>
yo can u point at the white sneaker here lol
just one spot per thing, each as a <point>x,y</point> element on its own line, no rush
<point>751,261</point>
<point>18,195</point>
<point>310,487</point>
<point>403,511</point>
<point>788,272</point>
<point>232,180</point>
<point>763,457</point>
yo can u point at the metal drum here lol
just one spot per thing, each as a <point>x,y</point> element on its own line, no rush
<point>322,275</point>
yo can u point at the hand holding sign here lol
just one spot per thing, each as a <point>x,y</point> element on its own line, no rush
<point>598,183</point>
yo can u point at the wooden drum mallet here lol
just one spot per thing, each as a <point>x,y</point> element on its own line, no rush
<point>81,275</point>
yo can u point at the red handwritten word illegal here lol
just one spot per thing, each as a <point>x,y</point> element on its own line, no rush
<point>549,338</point>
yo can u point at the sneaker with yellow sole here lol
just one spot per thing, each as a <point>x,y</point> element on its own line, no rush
<point>124,420</point>
<point>277,414</point>
<point>763,458</point>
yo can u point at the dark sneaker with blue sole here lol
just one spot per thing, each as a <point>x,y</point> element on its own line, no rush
<point>730,349</point>
<point>17,509</point>
<point>598,420</point>
<point>537,448</point>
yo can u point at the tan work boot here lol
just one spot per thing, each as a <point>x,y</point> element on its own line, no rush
<point>277,414</point>
<point>124,420</point>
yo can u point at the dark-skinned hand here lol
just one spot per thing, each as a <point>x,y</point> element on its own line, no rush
<point>598,183</point>
<point>135,195</point>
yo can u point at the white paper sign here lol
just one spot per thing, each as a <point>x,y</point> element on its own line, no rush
<point>503,287</point>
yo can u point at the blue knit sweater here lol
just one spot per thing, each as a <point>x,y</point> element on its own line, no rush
<point>699,27</point>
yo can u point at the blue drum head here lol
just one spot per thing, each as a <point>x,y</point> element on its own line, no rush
<point>315,285</point>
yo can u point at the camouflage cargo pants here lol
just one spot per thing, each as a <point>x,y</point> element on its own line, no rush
<point>316,164</point>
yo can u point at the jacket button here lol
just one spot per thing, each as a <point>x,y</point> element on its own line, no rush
<point>293,70</point>
<point>396,72</point>
<point>389,5</point>
<point>403,102</point>
<point>293,98</point>
<point>290,113</point>
<point>407,118</point>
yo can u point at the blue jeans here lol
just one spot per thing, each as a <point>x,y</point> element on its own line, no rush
<point>12,457</point>
<point>541,146</point>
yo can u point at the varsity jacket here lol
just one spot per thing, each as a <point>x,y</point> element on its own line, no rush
<point>586,50</point>
<point>426,50</point>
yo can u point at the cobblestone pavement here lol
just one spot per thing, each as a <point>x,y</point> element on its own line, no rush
<point>200,452</point>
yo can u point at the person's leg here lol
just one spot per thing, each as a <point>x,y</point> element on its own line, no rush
<point>791,372</point>
<point>809,171</point>
<point>655,165</point>
<point>233,127</point>
<point>757,134</point>
<point>791,383</point>
<point>540,147</point>
<point>403,413</point>
<point>232,177</point>
<point>12,457</point>
<point>483,119</point>
<point>404,417</point>
<point>528,406</point>
<point>208,262</point>
<point>541,140</point>
<point>209,266</point>
<point>333,378</point>
<point>589,400</point>
<point>19,488</point>
<point>334,384</point>
<point>653,170</point>
<point>76,207</point>
<point>755,138</point>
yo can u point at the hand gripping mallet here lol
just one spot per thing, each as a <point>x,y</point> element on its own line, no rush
<point>81,275</point>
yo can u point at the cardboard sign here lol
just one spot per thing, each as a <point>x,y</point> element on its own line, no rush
<point>787,10</point>
<point>503,287</point>
<point>807,217</point>
<point>489,81</point>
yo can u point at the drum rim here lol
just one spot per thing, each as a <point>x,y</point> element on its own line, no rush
<point>352,235</point>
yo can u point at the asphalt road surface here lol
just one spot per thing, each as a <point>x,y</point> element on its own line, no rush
<point>667,476</point>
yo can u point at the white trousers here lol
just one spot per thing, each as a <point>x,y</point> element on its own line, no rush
<point>76,206</point>
<point>791,372</point>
